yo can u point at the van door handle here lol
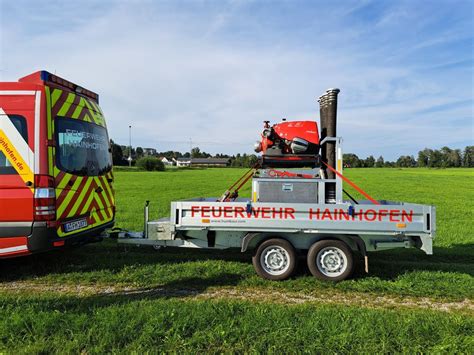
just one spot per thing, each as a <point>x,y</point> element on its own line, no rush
<point>28,183</point>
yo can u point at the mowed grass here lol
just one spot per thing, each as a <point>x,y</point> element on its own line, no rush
<point>120,325</point>
<point>45,321</point>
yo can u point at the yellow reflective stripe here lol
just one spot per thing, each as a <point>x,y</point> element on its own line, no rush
<point>55,96</point>
<point>81,196</point>
<point>108,186</point>
<point>87,117</point>
<point>96,107</point>
<point>17,162</point>
<point>50,160</point>
<point>87,204</point>
<point>48,112</point>
<point>78,109</point>
<point>99,201</point>
<point>69,196</point>
<point>95,112</point>
<point>66,105</point>
<point>62,184</point>
<point>92,112</point>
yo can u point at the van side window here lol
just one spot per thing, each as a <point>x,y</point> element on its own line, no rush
<point>20,124</point>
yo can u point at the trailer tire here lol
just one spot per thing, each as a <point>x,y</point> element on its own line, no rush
<point>330,260</point>
<point>275,259</point>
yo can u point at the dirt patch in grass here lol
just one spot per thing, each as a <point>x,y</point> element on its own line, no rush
<point>350,299</point>
<point>244,294</point>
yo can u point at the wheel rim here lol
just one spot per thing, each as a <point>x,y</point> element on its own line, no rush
<point>275,260</point>
<point>331,261</point>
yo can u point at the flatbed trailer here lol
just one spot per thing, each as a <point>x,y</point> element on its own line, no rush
<point>290,216</point>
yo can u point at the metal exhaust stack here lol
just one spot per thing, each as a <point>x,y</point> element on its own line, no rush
<point>328,112</point>
<point>323,125</point>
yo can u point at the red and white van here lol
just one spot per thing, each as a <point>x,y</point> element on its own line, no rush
<point>55,165</point>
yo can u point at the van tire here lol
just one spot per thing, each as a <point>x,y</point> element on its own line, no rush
<point>331,260</point>
<point>275,259</point>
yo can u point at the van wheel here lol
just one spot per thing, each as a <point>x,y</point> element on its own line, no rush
<point>330,260</point>
<point>275,259</point>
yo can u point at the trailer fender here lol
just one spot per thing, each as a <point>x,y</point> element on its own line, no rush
<point>360,244</point>
<point>363,250</point>
<point>247,239</point>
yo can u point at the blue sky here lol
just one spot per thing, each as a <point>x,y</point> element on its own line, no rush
<point>212,71</point>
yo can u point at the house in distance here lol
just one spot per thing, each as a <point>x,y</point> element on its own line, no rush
<point>203,162</point>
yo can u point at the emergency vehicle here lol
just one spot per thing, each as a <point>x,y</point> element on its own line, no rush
<point>56,181</point>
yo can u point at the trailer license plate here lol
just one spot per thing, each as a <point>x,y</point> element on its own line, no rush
<point>75,225</point>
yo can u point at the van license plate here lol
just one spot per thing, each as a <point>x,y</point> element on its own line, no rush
<point>75,225</point>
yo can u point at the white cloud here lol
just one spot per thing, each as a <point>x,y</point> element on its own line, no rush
<point>204,75</point>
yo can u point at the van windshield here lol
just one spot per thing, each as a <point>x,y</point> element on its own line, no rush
<point>82,147</point>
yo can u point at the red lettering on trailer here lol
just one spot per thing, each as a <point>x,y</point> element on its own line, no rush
<point>289,213</point>
<point>408,217</point>
<point>382,214</point>
<point>313,213</point>
<point>205,210</point>
<point>194,210</point>
<point>214,212</point>
<point>239,212</point>
<point>255,212</point>
<point>345,215</point>
<point>370,219</point>
<point>279,212</point>
<point>266,212</point>
<point>338,214</point>
<point>393,214</point>
<point>228,212</point>
<point>326,214</point>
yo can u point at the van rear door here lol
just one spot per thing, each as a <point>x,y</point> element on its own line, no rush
<point>17,126</point>
<point>82,164</point>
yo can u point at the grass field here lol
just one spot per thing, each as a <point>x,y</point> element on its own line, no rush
<point>107,297</point>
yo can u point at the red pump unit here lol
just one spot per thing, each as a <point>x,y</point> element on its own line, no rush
<point>289,144</point>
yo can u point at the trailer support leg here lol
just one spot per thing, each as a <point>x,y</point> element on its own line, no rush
<point>211,239</point>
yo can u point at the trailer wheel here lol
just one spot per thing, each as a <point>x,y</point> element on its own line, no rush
<point>275,259</point>
<point>330,260</point>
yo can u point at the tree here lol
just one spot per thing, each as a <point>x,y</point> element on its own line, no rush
<point>455,158</point>
<point>468,157</point>
<point>435,159</point>
<point>150,164</point>
<point>406,161</point>
<point>139,152</point>
<point>380,162</point>
<point>253,159</point>
<point>126,150</point>
<point>195,152</point>
<point>424,157</point>
<point>369,162</point>
<point>351,160</point>
<point>117,154</point>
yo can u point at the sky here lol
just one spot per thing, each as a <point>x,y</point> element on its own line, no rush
<point>208,73</point>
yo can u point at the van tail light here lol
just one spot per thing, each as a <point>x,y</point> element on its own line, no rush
<point>45,198</point>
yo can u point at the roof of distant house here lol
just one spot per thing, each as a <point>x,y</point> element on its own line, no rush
<point>210,160</point>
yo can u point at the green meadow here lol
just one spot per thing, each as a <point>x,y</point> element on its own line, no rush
<point>106,297</point>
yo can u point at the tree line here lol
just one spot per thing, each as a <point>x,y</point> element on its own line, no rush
<point>432,158</point>
<point>120,154</point>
